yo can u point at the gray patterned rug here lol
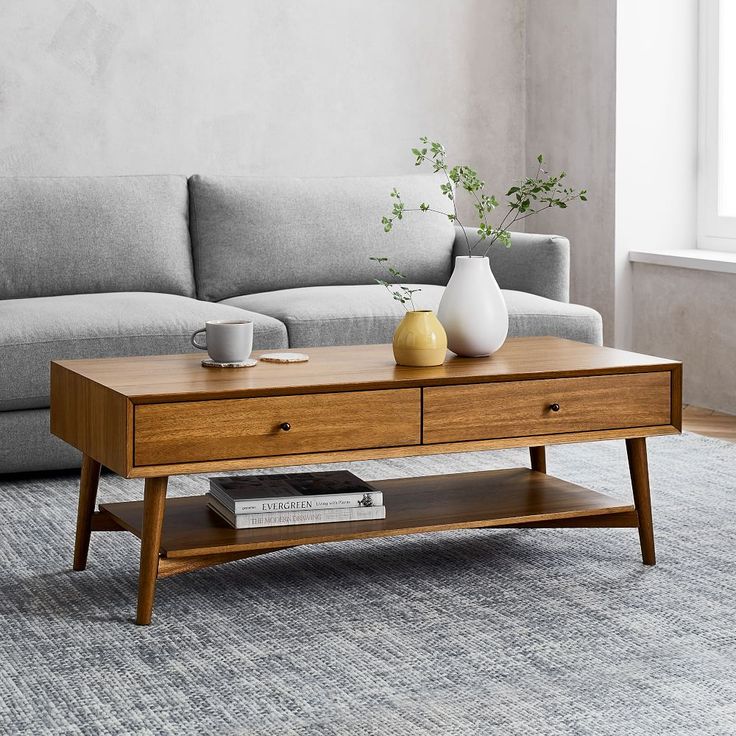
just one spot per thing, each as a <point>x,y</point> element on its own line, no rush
<point>474,632</point>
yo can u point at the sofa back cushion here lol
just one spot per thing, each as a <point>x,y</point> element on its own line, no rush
<point>251,235</point>
<point>81,235</point>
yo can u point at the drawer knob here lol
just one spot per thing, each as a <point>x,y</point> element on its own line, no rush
<point>285,426</point>
<point>554,407</point>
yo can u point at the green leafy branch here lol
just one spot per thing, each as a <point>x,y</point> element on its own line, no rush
<point>530,196</point>
<point>399,292</point>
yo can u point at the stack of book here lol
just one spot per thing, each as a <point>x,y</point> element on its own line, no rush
<point>249,501</point>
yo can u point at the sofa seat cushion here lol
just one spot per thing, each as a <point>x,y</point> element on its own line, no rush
<point>351,315</point>
<point>35,331</point>
<point>336,315</point>
<point>530,314</point>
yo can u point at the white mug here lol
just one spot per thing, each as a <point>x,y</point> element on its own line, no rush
<point>226,341</point>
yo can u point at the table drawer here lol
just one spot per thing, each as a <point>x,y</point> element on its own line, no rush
<point>524,408</point>
<point>223,429</point>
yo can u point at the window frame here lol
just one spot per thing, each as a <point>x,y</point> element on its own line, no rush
<point>715,232</point>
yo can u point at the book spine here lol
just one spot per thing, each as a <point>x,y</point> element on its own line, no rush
<point>291,518</point>
<point>300,503</point>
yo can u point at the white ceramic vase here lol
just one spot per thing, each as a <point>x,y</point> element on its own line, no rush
<point>473,310</point>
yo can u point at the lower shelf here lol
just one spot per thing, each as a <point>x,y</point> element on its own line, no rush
<point>514,497</point>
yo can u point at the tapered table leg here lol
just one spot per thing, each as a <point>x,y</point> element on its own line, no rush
<point>636,449</point>
<point>539,459</point>
<point>154,503</point>
<point>88,482</point>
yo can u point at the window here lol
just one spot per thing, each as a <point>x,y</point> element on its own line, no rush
<point>717,145</point>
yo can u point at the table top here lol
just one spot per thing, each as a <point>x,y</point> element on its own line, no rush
<point>156,378</point>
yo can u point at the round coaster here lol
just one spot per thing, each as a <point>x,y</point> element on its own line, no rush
<point>209,363</point>
<point>285,358</point>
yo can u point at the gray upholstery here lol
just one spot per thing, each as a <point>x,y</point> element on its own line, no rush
<point>95,267</point>
<point>538,264</point>
<point>348,315</point>
<point>251,235</point>
<point>530,314</point>
<point>36,331</point>
<point>78,235</point>
<point>27,444</point>
<point>336,315</point>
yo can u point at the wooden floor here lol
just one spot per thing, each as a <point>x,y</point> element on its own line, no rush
<point>709,423</point>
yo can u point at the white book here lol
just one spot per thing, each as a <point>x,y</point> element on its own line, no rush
<point>254,494</point>
<point>291,518</point>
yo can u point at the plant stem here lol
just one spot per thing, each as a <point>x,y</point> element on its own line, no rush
<point>454,207</point>
<point>454,203</point>
<point>520,218</point>
<point>429,209</point>
<point>530,192</point>
<point>388,289</point>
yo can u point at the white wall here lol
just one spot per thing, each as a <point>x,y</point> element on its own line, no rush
<point>571,104</point>
<point>656,143</point>
<point>688,315</point>
<point>282,87</point>
<point>678,313</point>
<point>344,87</point>
<point>319,87</point>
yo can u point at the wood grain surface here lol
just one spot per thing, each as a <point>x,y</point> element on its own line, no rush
<point>413,505</point>
<point>376,453</point>
<point>92,418</point>
<point>523,408</point>
<point>709,422</point>
<point>189,431</point>
<point>156,379</point>
<point>186,418</point>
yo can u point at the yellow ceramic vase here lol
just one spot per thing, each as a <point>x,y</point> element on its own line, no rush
<point>420,340</point>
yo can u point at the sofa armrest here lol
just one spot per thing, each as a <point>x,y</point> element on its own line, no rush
<point>538,264</point>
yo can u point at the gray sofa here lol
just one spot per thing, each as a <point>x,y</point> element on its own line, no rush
<point>93,267</point>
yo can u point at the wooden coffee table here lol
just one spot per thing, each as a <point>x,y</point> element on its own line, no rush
<point>152,417</point>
